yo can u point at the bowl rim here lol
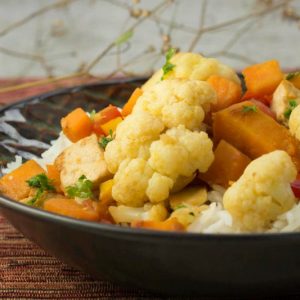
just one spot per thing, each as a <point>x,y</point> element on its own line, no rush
<point>6,202</point>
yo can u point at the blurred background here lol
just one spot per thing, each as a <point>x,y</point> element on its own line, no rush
<point>107,38</point>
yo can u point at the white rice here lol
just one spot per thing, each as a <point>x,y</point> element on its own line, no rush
<point>213,220</point>
<point>57,146</point>
<point>47,157</point>
<point>288,222</point>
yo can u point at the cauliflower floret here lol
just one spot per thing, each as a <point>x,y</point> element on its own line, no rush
<point>133,138</point>
<point>181,152</point>
<point>159,187</point>
<point>294,122</point>
<point>178,102</point>
<point>284,93</point>
<point>125,214</point>
<point>263,192</point>
<point>131,182</point>
<point>193,66</point>
<point>141,126</point>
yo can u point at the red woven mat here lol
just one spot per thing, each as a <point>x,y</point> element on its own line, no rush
<point>28,272</point>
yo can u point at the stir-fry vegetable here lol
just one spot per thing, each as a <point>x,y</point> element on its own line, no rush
<point>186,153</point>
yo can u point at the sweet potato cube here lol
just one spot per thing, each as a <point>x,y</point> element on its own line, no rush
<point>70,208</point>
<point>262,79</point>
<point>168,225</point>
<point>228,92</point>
<point>228,165</point>
<point>254,133</point>
<point>76,125</point>
<point>14,185</point>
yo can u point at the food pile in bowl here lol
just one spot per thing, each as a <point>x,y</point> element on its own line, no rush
<point>189,151</point>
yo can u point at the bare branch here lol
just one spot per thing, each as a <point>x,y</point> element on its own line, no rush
<point>112,45</point>
<point>202,22</point>
<point>41,11</point>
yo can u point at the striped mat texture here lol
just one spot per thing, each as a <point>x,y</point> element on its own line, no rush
<point>28,272</point>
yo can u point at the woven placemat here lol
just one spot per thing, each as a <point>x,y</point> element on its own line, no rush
<point>28,272</point>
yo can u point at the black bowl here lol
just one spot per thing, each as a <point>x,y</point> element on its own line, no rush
<point>165,262</point>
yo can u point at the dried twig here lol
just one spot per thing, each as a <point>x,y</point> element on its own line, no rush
<point>41,11</point>
<point>41,82</point>
<point>202,21</point>
<point>112,45</point>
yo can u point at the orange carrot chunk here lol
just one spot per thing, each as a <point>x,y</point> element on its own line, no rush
<point>253,132</point>
<point>228,91</point>
<point>262,79</point>
<point>128,107</point>
<point>54,175</point>
<point>103,116</point>
<point>76,125</point>
<point>70,208</point>
<point>228,165</point>
<point>168,225</point>
<point>14,184</point>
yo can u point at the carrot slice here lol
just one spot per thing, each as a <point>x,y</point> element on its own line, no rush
<point>228,165</point>
<point>70,208</point>
<point>128,107</point>
<point>14,184</point>
<point>76,125</point>
<point>262,79</point>
<point>54,175</point>
<point>168,225</point>
<point>228,91</point>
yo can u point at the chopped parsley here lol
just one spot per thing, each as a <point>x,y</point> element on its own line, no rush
<point>81,189</point>
<point>292,104</point>
<point>42,183</point>
<point>249,108</point>
<point>292,75</point>
<point>168,67</point>
<point>106,139</point>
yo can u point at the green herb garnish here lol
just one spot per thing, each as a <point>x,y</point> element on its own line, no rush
<point>42,183</point>
<point>168,67</point>
<point>124,37</point>
<point>292,104</point>
<point>249,108</point>
<point>92,115</point>
<point>191,214</point>
<point>106,139</point>
<point>292,75</point>
<point>81,189</point>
